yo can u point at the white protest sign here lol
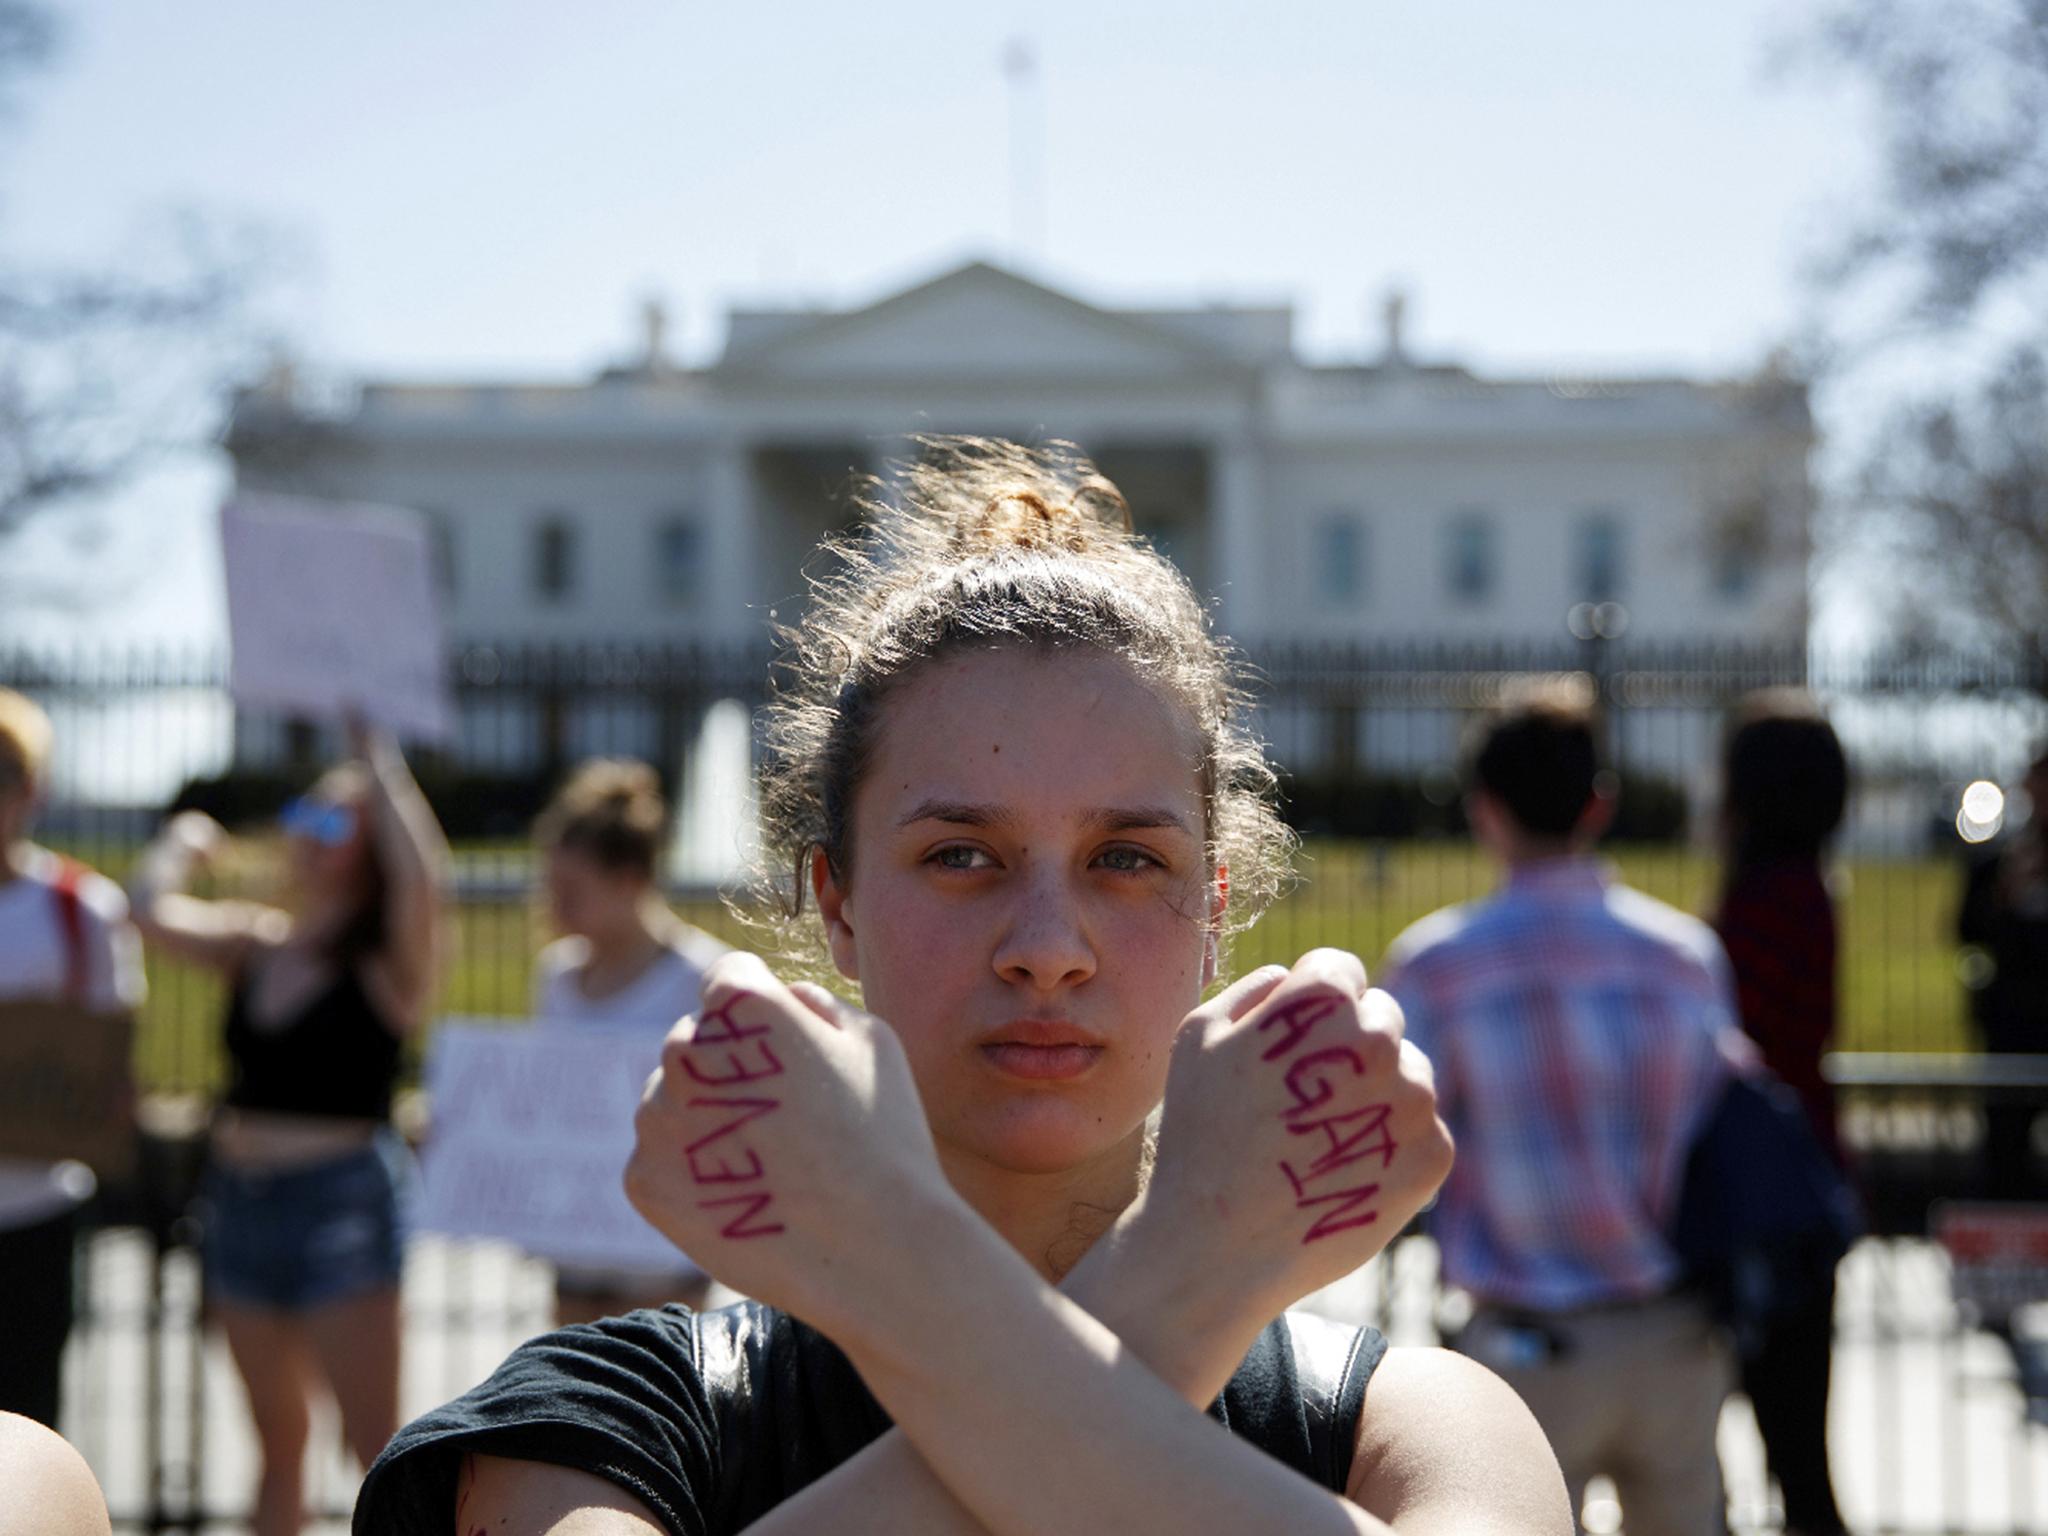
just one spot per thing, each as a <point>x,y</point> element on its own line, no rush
<point>531,1129</point>
<point>332,607</point>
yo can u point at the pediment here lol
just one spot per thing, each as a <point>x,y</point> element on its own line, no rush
<point>975,322</point>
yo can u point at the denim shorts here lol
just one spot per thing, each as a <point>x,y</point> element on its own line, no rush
<point>302,1237</point>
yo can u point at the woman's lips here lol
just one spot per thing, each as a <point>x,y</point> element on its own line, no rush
<point>1040,1063</point>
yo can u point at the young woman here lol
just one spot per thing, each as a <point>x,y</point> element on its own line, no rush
<point>1008,759</point>
<point>623,960</point>
<point>302,1221</point>
<point>1785,787</point>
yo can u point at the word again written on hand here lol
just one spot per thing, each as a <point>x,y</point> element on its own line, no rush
<point>724,1053</point>
<point>1315,1080</point>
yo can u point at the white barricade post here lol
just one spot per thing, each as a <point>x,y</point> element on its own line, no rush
<point>334,608</point>
<point>529,1132</point>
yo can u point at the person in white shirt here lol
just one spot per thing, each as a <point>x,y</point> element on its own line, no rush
<point>65,937</point>
<point>623,959</point>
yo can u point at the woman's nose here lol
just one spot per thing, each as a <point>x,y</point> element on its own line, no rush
<point>1046,943</point>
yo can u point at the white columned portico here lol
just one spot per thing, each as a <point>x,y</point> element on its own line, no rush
<point>1236,535</point>
<point>735,586</point>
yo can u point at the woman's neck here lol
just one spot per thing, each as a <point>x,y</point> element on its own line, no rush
<point>1052,1219</point>
<point>318,919</point>
<point>629,944</point>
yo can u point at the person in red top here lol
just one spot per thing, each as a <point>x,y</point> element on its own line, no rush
<point>1785,788</point>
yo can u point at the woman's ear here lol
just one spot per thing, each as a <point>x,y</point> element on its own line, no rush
<point>835,911</point>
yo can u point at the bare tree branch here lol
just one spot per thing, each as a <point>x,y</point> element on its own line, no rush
<point>104,369</point>
<point>1933,300</point>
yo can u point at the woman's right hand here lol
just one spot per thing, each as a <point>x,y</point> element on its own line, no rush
<point>1300,1133</point>
<point>783,1146</point>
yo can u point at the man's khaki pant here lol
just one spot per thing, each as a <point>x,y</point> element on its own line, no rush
<point>1633,1391</point>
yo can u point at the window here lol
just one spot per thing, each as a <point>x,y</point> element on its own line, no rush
<point>554,558</point>
<point>1339,555</point>
<point>1469,557</point>
<point>1599,558</point>
<point>678,561</point>
<point>1734,568</point>
<point>1161,524</point>
<point>440,524</point>
<point>1736,550</point>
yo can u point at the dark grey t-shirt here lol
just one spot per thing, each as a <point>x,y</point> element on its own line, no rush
<point>712,1419</point>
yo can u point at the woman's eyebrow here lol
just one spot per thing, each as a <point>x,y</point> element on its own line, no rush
<point>1137,818</point>
<point>1114,818</point>
<point>963,813</point>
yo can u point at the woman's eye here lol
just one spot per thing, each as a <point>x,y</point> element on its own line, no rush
<point>1127,860</point>
<point>960,856</point>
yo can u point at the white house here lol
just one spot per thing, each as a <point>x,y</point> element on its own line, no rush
<point>1384,499</point>
<point>1389,499</point>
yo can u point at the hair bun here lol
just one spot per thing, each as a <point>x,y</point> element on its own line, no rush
<point>985,496</point>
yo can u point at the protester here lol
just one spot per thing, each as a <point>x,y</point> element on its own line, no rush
<point>1785,784</point>
<point>64,937</point>
<point>2004,917</point>
<point>623,960</point>
<point>46,1489</point>
<point>1009,761</point>
<point>1580,1032</point>
<point>302,1203</point>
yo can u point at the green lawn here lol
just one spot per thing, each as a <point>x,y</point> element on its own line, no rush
<point>1899,985</point>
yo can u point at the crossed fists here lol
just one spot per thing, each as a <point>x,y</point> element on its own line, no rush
<point>783,1145</point>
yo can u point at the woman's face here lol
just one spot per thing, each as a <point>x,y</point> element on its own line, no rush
<point>325,839</point>
<point>586,898</point>
<point>1029,903</point>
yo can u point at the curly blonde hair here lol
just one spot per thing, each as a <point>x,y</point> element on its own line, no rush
<point>990,545</point>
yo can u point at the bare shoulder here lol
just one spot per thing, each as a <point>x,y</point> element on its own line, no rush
<point>530,1498</point>
<point>1445,1446</point>
<point>50,1489</point>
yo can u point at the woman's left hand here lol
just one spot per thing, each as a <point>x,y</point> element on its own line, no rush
<point>1300,1132</point>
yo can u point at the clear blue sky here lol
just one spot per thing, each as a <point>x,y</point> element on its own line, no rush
<point>485,187</point>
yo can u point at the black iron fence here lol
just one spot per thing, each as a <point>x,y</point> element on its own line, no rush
<point>1366,739</point>
<point>1935,1403</point>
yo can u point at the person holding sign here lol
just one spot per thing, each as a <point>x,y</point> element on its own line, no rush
<point>303,1231</point>
<point>65,940</point>
<point>1010,763</point>
<point>623,960</point>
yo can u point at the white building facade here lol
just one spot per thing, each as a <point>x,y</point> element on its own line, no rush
<point>1390,503</point>
<point>1389,500</point>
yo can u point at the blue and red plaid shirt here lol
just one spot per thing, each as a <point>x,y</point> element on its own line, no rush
<point>1580,1031</point>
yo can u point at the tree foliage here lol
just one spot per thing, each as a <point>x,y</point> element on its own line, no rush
<point>104,368</point>
<point>1934,300</point>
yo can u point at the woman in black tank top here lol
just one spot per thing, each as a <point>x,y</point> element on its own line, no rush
<point>1010,764</point>
<point>301,1206</point>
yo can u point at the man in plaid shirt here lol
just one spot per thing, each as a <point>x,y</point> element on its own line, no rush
<point>1580,1032</point>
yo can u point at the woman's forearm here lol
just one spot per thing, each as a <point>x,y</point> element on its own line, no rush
<point>415,855</point>
<point>1036,1417</point>
<point>403,823</point>
<point>1179,1312</point>
<point>164,869</point>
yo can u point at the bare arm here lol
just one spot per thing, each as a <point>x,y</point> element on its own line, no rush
<point>415,857</point>
<point>1445,1448</point>
<point>216,934</point>
<point>1114,1413</point>
<point>50,1491</point>
<point>496,1497</point>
